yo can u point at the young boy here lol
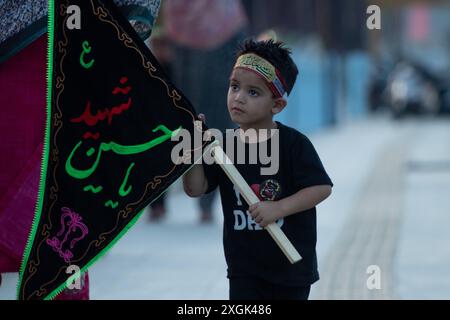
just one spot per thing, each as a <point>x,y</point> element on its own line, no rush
<point>257,269</point>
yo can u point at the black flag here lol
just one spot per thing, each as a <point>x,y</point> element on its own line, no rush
<point>111,117</point>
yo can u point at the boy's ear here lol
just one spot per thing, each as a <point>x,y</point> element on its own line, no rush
<point>279,105</point>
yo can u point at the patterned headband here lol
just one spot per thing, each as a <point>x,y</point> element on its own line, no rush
<point>265,70</point>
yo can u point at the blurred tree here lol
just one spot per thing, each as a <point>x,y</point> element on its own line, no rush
<point>342,24</point>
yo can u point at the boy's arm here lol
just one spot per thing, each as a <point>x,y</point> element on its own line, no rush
<point>266,212</point>
<point>304,199</point>
<point>195,183</point>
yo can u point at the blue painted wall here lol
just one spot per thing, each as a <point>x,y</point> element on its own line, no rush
<point>313,100</point>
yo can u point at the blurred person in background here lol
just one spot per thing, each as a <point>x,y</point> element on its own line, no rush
<point>204,35</point>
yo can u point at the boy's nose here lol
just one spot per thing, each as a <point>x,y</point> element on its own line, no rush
<point>239,97</point>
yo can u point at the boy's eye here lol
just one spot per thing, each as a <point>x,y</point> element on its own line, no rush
<point>253,93</point>
<point>234,87</point>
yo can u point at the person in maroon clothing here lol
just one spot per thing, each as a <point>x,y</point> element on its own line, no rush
<point>23,83</point>
<point>23,61</point>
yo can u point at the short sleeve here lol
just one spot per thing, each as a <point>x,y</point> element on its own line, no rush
<point>308,169</point>
<point>212,176</point>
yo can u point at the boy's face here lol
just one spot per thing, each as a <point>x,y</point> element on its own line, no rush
<point>250,102</point>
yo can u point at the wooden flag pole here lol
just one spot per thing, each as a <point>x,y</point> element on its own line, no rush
<point>250,197</point>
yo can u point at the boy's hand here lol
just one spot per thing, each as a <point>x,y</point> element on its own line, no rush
<point>201,117</point>
<point>200,123</point>
<point>265,212</point>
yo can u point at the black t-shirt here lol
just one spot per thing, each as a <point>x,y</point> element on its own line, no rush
<point>249,249</point>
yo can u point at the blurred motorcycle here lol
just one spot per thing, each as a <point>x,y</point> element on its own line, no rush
<point>410,89</point>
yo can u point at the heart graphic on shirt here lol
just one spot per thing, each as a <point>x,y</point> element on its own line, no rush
<point>255,187</point>
<point>269,190</point>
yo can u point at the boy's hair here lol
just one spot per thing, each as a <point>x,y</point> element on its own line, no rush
<point>277,54</point>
